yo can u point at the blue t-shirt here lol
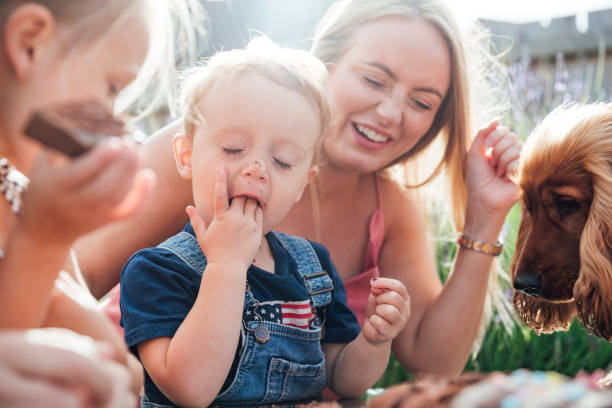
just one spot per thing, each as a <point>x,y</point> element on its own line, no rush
<point>158,290</point>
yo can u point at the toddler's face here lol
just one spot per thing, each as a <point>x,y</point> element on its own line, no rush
<point>264,135</point>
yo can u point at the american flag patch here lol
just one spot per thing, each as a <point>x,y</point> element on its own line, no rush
<point>296,314</point>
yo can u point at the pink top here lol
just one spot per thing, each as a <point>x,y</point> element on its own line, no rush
<point>358,287</point>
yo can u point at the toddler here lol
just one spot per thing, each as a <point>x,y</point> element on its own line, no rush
<point>228,311</point>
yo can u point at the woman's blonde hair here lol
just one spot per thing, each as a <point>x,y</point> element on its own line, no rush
<point>472,67</point>
<point>296,70</point>
<point>174,26</point>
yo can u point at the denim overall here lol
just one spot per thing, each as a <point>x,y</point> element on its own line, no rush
<point>290,366</point>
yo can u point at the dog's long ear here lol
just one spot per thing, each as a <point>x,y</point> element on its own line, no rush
<point>593,289</point>
<point>519,246</point>
<point>542,317</point>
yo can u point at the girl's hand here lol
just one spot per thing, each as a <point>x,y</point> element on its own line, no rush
<point>491,161</point>
<point>235,233</point>
<point>59,368</point>
<point>387,311</point>
<point>68,198</point>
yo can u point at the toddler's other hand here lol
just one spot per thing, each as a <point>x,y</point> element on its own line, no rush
<point>387,311</point>
<point>68,198</point>
<point>234,235</point>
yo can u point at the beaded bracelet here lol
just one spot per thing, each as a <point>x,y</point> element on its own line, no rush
<point>480,246</point>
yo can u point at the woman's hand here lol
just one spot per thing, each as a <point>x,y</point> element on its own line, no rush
<point>234,235</point>
<point>492,159</point>
<point>68,198</point>
<point>387,311</point>
<point>59,368</point>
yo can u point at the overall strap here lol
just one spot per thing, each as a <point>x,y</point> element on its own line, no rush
<point>318,282</point>
<point>186,247</point>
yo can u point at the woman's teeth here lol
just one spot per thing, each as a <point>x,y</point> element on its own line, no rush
<point>371,134</point>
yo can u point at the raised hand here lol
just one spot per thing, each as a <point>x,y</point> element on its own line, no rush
<point>387,311</point>
<point>235,232</point>
<point>492,159</point>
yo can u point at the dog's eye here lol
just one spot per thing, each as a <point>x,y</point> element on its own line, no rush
<point>565,205</point>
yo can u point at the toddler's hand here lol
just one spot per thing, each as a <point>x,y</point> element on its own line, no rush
<point>68,198</point>
<point>234,235</point>
<point>387,311</point>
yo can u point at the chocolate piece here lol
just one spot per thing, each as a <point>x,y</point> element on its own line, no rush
<point>425,392</point>
<point>73,128</point>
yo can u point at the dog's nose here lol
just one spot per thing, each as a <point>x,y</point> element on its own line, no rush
<point>529,284</point>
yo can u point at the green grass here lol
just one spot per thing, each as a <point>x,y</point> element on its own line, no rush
<point>565,352</point>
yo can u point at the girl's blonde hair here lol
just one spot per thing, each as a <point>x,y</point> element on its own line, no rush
<point>472,67</point>
<point>296,70</point>
<point>174,26</point>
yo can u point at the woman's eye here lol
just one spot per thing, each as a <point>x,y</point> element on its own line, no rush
<point>373,82</point>
<point>282,165</point>
<point>422,105</point>
<point>231,151</point>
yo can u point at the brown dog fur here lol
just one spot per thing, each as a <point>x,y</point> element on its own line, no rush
<point>565,234</point>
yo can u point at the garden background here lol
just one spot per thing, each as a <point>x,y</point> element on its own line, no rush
<point>566,59</point>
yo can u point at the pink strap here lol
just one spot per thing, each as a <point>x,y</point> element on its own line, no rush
<point>358,287</point>
<point>376,232</point>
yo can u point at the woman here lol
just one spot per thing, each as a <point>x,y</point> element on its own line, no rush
<point>398,81</point>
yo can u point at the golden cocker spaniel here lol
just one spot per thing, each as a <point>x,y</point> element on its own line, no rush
<point>562,266</point>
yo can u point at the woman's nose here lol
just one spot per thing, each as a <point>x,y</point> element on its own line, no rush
<point>390,109</point>
<point>256,170</point>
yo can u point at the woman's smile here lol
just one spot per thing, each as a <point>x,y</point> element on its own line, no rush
<point>371,134</point>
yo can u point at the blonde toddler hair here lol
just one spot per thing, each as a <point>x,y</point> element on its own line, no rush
<point>296,70</point>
